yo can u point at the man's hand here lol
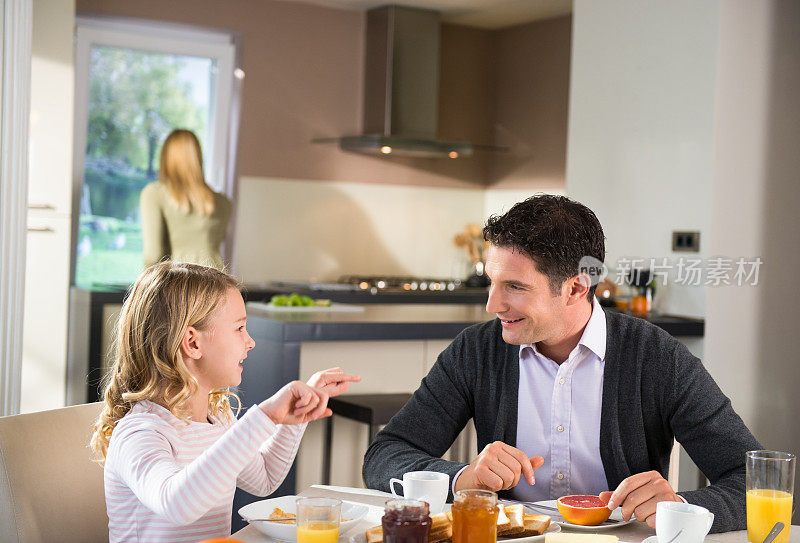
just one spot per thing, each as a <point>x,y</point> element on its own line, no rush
<point>498,467</point>
<point>332,381</point>
<point>638,496</point>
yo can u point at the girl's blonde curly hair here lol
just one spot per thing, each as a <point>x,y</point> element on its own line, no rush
<point>166,299</point>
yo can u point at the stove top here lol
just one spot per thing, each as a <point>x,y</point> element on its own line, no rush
<point>374,284</point>
<point>401,283</point>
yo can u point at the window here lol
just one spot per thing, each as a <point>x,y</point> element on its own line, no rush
<point>136,82</point>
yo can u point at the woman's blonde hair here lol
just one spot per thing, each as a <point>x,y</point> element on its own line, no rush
<point>166,299</point>
<point>182,171</point>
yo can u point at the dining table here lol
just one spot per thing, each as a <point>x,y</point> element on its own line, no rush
<point>634,532</point>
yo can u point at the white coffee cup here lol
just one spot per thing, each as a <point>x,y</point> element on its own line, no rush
<point>427,486</point>
<point>679,522</point>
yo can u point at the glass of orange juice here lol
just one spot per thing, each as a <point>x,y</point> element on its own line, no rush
<point>769,484</point>
<point>318,520</point>
<point>475,516</point>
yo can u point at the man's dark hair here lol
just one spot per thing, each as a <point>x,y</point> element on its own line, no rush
<point>554,231</point>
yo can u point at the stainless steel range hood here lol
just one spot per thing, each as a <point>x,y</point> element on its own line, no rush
<point>401,87</point>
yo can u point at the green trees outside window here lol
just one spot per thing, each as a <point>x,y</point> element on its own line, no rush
<point>135,99</point>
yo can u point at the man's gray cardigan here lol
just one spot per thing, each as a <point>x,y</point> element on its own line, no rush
<point>653,390</point>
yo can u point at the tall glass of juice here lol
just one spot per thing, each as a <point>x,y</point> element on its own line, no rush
<point>769,485</point>
<point>318,520</point>
<point>475,516</point>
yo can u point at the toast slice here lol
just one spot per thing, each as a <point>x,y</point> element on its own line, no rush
<point>533,525</point>
<point>375,534</point>
<point>503,522</point>
<point>441,528</point>
<point>439,521</point>
<point>442,534</point>
<point>516,521</point>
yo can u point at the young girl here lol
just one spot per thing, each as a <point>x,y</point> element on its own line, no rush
<point>173,450</point>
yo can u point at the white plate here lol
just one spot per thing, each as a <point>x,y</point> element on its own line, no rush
<point>654,539</point>
<point>353,512</point>
<point>552,529</point>
<point>615,514</point>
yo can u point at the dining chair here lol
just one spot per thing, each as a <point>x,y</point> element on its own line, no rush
<point>50,488</point>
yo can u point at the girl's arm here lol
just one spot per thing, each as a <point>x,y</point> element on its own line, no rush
<point>268,468</point>
<point>144,459</point>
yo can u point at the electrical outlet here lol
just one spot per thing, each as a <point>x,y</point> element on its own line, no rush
<point>686,242</point>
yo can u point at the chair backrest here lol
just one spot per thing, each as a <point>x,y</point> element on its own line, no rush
<point>50,489</point>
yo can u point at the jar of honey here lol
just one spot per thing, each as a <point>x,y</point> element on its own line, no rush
<point>406,521</point>
<point>475,516</point>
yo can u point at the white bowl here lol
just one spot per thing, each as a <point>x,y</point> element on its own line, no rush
<point>353,512</point>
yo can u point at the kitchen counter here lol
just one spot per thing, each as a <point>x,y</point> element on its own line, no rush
<point>462,295</point>
<point>408,321</point>
<point>376,322</point>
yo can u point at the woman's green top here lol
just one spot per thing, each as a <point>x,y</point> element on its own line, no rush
<point>186,237</point>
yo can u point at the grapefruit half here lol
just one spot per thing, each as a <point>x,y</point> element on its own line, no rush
<point>586,510</point>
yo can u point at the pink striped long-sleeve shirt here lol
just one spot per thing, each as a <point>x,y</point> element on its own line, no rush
<point>169,481</point>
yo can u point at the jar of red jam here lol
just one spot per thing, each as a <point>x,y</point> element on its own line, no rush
<point>406,521</point>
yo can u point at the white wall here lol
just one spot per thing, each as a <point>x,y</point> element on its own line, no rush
<point>700,99</point>
<point>499,201</point>
<point>641,133</point>
<point>752,344</point>
<point>301,230</point>
<point>641,127</point>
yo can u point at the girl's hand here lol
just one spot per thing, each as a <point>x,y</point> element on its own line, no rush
<point>332,381</point>
<point>296,403</point>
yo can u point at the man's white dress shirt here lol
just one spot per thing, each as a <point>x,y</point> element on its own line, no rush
<point>558,415</point>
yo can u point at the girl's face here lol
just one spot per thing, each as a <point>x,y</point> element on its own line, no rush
<point>224,345</point>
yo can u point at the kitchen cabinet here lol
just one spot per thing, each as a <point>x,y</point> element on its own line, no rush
<point>44,351</point>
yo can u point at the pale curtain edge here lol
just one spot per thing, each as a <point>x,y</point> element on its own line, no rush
<point>15,56</point>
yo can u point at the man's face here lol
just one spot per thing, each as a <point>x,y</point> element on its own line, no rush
<point>520,296</point>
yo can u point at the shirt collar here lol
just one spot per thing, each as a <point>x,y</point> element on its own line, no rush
<point>594,334</point>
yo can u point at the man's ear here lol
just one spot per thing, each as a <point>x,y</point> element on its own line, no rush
<point>189,343</point>
<point>577,288</point>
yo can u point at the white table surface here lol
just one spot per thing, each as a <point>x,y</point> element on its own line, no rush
<point>634,532</point>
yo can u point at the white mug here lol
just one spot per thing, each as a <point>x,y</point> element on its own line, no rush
<point>427,486</point>
<point>680,522</point>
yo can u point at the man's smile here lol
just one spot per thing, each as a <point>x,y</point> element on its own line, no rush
<point>509,322</point>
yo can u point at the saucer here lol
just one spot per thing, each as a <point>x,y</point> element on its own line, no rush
<point>654,539</point>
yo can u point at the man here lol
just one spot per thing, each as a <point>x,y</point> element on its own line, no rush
<point>588,400</point>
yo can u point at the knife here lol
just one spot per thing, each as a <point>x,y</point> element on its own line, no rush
<point>540,507</point>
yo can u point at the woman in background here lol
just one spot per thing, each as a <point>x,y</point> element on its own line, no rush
<point>182,218</point>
